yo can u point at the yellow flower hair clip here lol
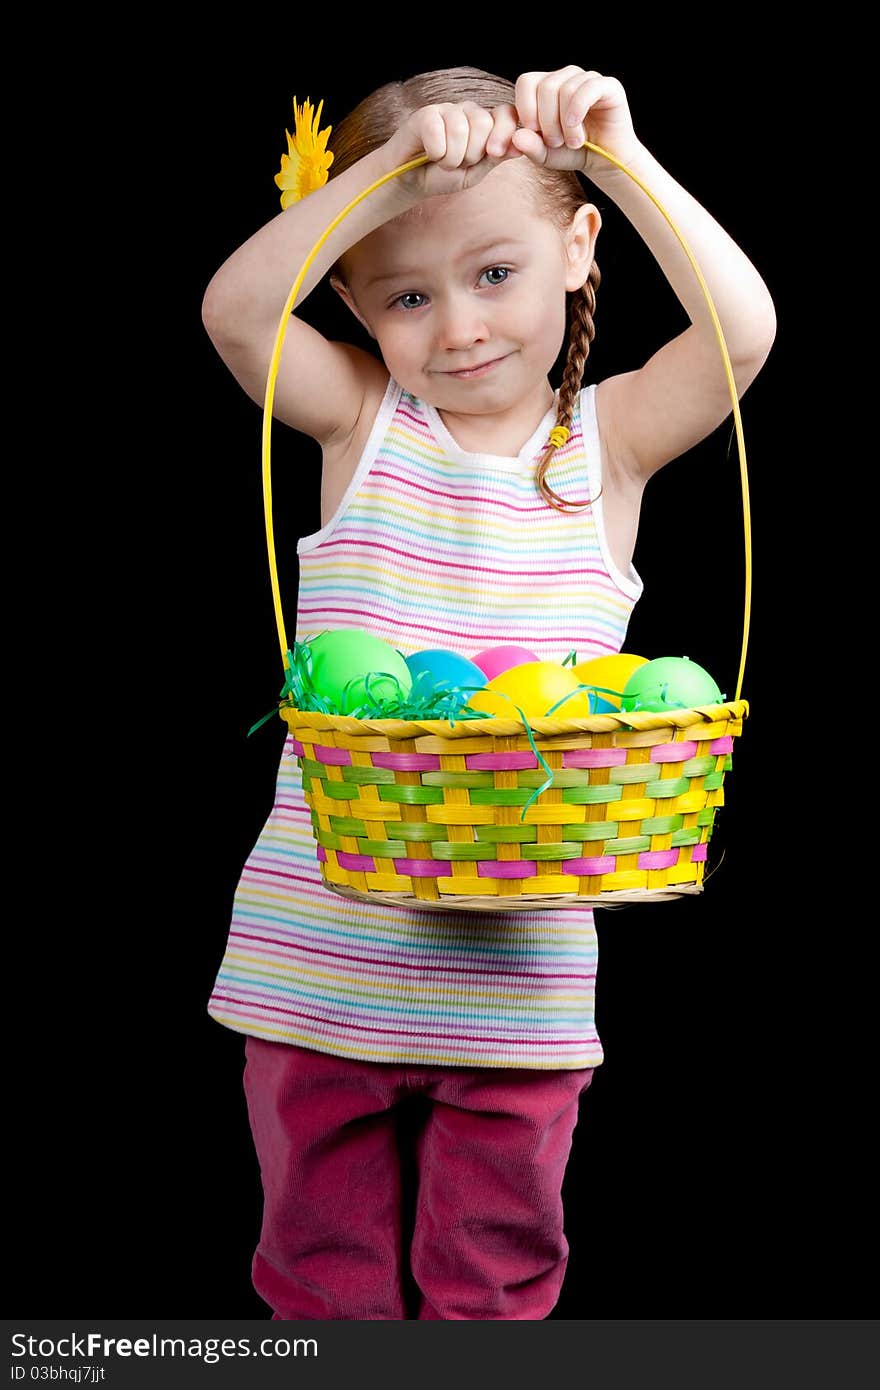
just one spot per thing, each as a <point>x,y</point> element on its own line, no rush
<point>304,168</point>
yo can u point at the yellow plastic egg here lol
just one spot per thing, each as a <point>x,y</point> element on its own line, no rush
<point>534,686</point>
<point>611,673</point>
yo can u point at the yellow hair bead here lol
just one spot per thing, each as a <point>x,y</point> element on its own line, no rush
<point>558,436</point>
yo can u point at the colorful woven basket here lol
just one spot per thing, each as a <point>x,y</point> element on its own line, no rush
<point>429,812</point>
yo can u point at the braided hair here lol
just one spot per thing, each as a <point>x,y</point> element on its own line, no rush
<point>581,334</point>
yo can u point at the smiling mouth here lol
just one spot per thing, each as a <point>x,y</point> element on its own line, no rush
<point>478,370</point>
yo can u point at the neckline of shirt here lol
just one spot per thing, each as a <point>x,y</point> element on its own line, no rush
<point>526,454</point>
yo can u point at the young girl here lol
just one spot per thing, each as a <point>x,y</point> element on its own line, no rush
<point>465,503</point>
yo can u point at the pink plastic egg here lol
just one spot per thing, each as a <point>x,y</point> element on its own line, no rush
<point>494,660</point>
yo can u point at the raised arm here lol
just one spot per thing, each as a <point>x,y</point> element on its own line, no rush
<point>681,394</point>
<point>320,384</point>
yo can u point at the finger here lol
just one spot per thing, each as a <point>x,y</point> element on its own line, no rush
<point>527,142</point>
<point>432,132</point>
<point>458,132</point>
<point>530,143</point>
<point>548,104</point>
<point>526,99</point>
<point>480,127</point>
<point>576,96</point>
<point>505,123</point>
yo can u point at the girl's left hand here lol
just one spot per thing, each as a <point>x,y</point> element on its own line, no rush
<point>559,110</point>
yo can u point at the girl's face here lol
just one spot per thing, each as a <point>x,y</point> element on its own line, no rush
<point>466,278</point>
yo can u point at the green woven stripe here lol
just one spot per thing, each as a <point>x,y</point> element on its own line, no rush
<point>662,825</point>
<point>562,777</point>
<point>458,779</point>
<point>590,830</point>
<point>667,786</point>
<point>448,849</point>
<point>412,796</point>
<point>728,762</point>
<point>698,767</point>
<point>506,834</point>
<point>367,776</point>
<point>576,794</point>
<point>418,830</point>
<point>633,845</point>
<point>564,850</point>
<point>345,825</point>
<point>631,772</point>
<point>312,768</point>
<point>326,839</point>
<point>525,834</point>
<point>404,830</point>
<point>589,796</point>
<point>339,791</point>
<point>485,846</point>
<point>382,849</point>
<point>686,837</point>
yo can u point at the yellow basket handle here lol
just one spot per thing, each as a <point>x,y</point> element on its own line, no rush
<point>276,358</point>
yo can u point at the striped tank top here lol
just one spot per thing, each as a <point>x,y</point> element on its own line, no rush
<point>432,546</point>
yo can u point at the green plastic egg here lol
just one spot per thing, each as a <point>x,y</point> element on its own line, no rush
<point>670,682</point>
<point>342,660</point>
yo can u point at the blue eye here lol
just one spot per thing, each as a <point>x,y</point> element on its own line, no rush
<point>414,294</point>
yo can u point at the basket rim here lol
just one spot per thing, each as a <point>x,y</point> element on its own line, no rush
<point>501,727</point>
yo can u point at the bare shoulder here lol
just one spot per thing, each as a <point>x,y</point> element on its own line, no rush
<point>342,452</point>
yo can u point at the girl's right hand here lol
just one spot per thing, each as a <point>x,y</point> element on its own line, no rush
<point>463,141</point>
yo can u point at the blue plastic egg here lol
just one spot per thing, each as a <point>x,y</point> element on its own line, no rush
<point>436,668</point>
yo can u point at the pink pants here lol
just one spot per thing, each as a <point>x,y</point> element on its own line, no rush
<point>487,1241</point>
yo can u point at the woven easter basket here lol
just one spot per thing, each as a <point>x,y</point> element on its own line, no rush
<point>429,813</point>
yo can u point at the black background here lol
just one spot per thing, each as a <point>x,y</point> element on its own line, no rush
<point>714,1169</point>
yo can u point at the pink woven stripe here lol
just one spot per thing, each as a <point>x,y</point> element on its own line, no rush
<point>507,868</point>
<point>658,859</point>
<point>601,864</point>
<point>419,868</point>
<point>673,752</point>
<point>408,762</point>
<point>594,757</point>
<point>501,762</point>
<point>364,863</point>
<point>722,745</point>
<point>333,757</point>
<point>698,854</point>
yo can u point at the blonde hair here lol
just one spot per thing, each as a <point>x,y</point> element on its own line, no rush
<point>558,195</point>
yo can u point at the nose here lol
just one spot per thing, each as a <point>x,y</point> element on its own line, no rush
<point>461,322</point>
